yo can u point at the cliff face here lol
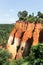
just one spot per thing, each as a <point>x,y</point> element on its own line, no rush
<point>23,32</point>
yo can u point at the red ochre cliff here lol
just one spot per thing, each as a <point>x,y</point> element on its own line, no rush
<point>22,32</point>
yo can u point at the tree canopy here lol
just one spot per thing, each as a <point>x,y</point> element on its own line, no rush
<point>23,15</point>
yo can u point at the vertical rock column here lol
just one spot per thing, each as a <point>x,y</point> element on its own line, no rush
<point>17,40</point>
<point>18,34</point>
<point>21,28</point>
<point>36,34</point>
<point>26,36</point>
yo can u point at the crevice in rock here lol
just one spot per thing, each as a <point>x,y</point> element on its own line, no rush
<point>27,47</point>
<point>41,36</point>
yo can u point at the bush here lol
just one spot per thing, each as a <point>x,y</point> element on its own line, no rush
<point>4,56</point>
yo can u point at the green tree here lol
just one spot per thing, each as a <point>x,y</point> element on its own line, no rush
<point>36,55</point>
<point>22,15</point>
<point>40,15</point>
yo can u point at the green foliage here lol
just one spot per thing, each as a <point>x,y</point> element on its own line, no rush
<point>40,14</point>
<point>36,55</point>
<point>4,56</point>
<point>5,29</point>
<point>6,63</point>
<point>31,19</point>
<point>22,15</point>
<point>20,62</point>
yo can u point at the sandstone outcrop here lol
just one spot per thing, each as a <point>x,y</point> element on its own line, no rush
<point>18,37</point>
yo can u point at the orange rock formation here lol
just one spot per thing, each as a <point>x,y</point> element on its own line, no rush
<point>38,28</point>
<point>29,30</point>
<point>26,36</point>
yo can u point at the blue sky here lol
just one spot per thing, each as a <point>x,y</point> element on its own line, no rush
<point>10,8</point>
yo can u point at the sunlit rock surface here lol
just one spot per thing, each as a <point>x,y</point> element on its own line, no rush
<point>23,32</point>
